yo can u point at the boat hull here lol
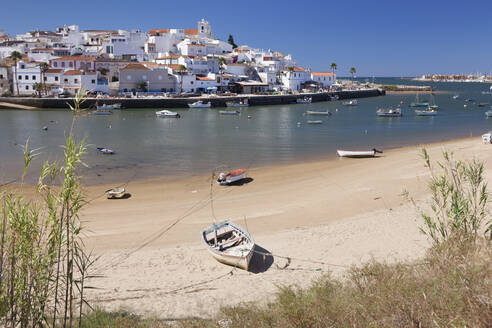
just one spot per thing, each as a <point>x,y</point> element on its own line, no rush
<point>200,105</point>
<point>228,112</point>
<point>310,112</point>
<point>356,153</point>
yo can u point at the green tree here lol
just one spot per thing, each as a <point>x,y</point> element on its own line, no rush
<point>15,55</point>
<point>352,71</point>
<point>43,68</point>
<point>142,86</point>
<point>222,62</point>
<point>333,67</point>
<point>230,40</point>
<point>182,70</point>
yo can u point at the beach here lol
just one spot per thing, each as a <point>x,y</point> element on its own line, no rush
<point>324,215</point>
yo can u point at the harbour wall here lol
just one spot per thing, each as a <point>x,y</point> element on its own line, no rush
<point>182,102</point>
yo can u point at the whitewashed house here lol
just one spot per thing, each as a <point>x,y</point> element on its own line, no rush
<point>74,80</point>
<point>155,77</point>
<point>85,63</point>
<point>52,80</point>
<point>293,78</point>
<point>325,79</point>
<point>27,75</point>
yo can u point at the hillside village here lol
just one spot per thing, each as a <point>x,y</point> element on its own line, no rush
<point>162,61</point>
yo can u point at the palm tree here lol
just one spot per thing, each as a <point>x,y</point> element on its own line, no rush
<point>15,55</point>
<point>43,67</point>
<point>222,62</point>
<point>181,71</point>
<point>333,67</point>
<point>352,71</point>
<point>142,86</point>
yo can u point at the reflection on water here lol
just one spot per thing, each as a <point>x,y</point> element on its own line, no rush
<point>202,139</point>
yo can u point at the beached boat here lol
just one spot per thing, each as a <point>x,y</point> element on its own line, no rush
<point>200,104</point>
<point>315,122</point>
<point>115,192</point>
<point>358,153</point>
<point>312,112</point>
<point>167,113</point>
<point>228,112</point>
<point>106,107</point>
<point>305,100</point>
<point>230,177</point>
<point>229,244</point>
<point>426,112</point>
<point>389,112</point>
<point>101,112</point>
<point>242,103</point>
<point>487,137</point>
<point>488,113</point>
<point>352,102</point>
<point>105,150</point>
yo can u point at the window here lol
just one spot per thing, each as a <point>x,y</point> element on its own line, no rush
<point>191,82</point>
<point>65,80</point>
<point>56,78</point>
<point>159,77</point>
<point>26,77</point>
<point>75,80</point>
<point>34,77</point>
<point>20,77</point>
<point>23,66</point>
<point>63,64</point>
<point>93,81</point>
<point>70,64</point>
<point>55,64</point>
<point>1,76</point>
<point>144,77</point>
<point>27,87</point>
<point>45,79</point>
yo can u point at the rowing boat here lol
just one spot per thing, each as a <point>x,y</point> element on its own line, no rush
<point>312,112</point>
<point>230,177</point>
<point>358,153</point>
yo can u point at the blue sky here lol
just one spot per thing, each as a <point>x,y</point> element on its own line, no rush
<point>381,38</point>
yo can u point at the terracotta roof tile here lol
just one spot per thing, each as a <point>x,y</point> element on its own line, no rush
<point>135,67</point>
<point>322,74</point>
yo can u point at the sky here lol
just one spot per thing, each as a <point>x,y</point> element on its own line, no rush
<point>378,38</point>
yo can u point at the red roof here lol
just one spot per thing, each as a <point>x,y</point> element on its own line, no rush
<point>135,67</point>
<point>203,78</point>
<point>54,70</point>
<point>191,31</point>
<point>73,72</point>
<point>322,74</point>
<point>76,58</point>
<point>156,31</point>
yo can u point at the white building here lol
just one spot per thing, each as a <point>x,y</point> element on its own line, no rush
<point>74,80</point>
<point>326,79</point>
<point>85,63</point>
<point>26,76</point>
<point>294,77</point>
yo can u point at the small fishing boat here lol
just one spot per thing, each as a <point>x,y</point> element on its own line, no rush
<point>352,102</point>
<point>242,103</point>
<point>470,100</point>
<point>228,112</point>
<point>488,113</point>
<point>229,244</point>
<point>426,112</point>
<point>315,122</point>
<point>106,107</point>
<point>456,97</point>
<point>389,112</point>
<point>200,104</point>
<point>487,92</point>
<point>101,112</point>
<point>312,112</point>
<point>105,150</point>
<point>358,153</point>
<point>483,104</point>
<point>230,177</point>
<point>115,192</point>
<point>305,100</point>
<point>167,113</point>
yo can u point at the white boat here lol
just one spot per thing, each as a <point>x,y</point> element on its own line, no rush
<point>487,137</point>
<point>242,103</point>
<point>108,107</point>
<point>352,102</point>
<point>333,98</point>
<point>106,151</point>
<point>315,122</point>
<point>167,113</point>
<point>230,177</point>
<point>115,192</point>
<point>305,100</point>
<point>487,92</point>
<point>488,113</point>
<point>229,244</point>
<point>456,97</point>
<point>228,112</point>
<point>358,153</point>
<point>427,112</point>
<point>389,112</point>
<point>200,104</point>
<point>312,112</point>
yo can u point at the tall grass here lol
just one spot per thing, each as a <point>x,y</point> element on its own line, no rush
<point>43,264</point>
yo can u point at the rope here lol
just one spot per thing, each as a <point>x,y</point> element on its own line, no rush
<point>290,258</point>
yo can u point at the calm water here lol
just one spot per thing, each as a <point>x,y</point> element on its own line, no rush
<point>201,140</point>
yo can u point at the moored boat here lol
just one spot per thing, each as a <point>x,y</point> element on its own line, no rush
<point>315,122</point>
<point>488,113</point>
<point>487,92</point>
<point>101,112</point>
<point>335,97</point>
<point>242,103</point>
<point>312,112</point>
<point>167,113</point>
<point>456,97</point>
<point>200,104</point>
<point>305,100</point>
<point>230,177</point>
<point>389,112</point>
<point>229,244</point>
<point>106,151</point>
<point>228,112</point>
<point>352,102</point>
<point>115,192</point>
<point>106,107</point>
<point>419,103</point>
<point>358,153</point>
<point>483,104</point>
<point>426,112</point>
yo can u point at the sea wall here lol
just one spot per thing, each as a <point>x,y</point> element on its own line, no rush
<point>254,100</point>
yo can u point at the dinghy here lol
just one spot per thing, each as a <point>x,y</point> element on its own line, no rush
<point>315,122</point>
<point>229,244</point>
<point>352,102</point>
<point>312,112</point>
<point>243,103</point>
<point>200,104</point>
<point>488,113</point>
<point>389,112</point>
<point>167,113</point>
<point>427,112</point>
<point>115,192</point>
<point>230,177</point>
<point>305,100</point>
<point>105,150</point>
<point>228,112</point>
<point>105,107</point>
<point>358,153</point>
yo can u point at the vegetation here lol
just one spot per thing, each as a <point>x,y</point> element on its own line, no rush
<point>333,67</point>
<point>352,71</point>
<point>230,40</point>
<point>16,56</point>
<point>181,71</point>
<point>43,265</point>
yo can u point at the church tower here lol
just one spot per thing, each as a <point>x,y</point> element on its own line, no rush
<point>204,29</point>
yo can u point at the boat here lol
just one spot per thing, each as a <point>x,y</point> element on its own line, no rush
<point>418,103</point>
<point>352,102</point>
<point>106,107</point>
<point>426,112</point>
<point>389,112</point>
<point>115,192</point>
<point>242,103</point>
<point>228,112</point>
<point>105,150</point>
<point>167,113</point>
<point>333,98</point>
<point>230,177</point>
<point>315,122</point>
<point>470,100</point>
<point>487,92</point>
<point>101,112</point>
<point>483,104</point>
<point>305,100</point>
<point>358,153</point>
<point>312,112</point>
<point>456,97</point>
<point>200,104</point>
<point>229,244</point>
<point>488,113</point>
<point>487,137</point>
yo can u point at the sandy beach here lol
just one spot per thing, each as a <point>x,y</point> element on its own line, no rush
<point>326,216</point>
